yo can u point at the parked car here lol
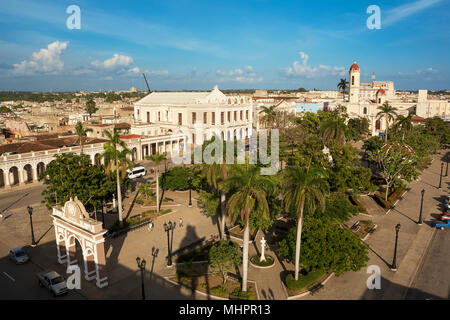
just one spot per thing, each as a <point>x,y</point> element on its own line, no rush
<point>53,281</point>
<point>18,255</point>
<point>442,226</point>
<point>445,216</point>
<point>136,172</point>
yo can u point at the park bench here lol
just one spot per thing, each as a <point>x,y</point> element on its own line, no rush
<point>316,288</point>
<point>355,227</point>
<point>372,230</point>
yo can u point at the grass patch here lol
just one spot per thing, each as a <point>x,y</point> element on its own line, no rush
<point>255,260</point>
<point>304,281</point>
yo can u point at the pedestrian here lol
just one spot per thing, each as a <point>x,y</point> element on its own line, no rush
<point>181,222</point>
<point>150,226</point>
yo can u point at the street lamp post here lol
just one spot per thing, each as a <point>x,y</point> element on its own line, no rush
<point>141,266</point>
<point>30,212</point>
<point>167,228</point>
<point>190,196</point>
<point>421,206</point>
<point>446,169</point>
<point>440,177</point>
<point>394,262</point>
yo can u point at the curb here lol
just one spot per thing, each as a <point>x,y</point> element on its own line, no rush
<point>308,292</point>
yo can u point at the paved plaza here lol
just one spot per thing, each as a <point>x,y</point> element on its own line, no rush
<point>421,254</point>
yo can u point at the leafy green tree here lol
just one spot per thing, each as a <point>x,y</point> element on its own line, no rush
<point>81,132</point>
<point>326,246</point>
<point>71,175</point>
<point>145,190</point>
<point>346,172</point>
<point>437,127</point>
<point>333,130</point>
<point>403,124</point>
<point>373,144</point>
<point>356,127</point>
<point>91,107</point>
<point>396,162</point>
<point>177,178</point>
<point>304,187</point>
<point>248,191</point>
<point>389,113</point>
<point>224,256</point>
<point>116,160</point>
<point>157,158</point>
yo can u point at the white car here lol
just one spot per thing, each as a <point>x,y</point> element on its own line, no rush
<point>136,172</point>
<point>18,255</point>
<point>53,282</point>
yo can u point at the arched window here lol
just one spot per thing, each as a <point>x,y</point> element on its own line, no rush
<point>365,110</point>
<point>353,80</point>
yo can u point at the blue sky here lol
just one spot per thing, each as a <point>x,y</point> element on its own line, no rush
<point>236,44</point>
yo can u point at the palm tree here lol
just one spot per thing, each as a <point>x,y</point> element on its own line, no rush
<point>81,132</point>
<point>157,158</point>
<point>145,190</point>
<point>249,194</point>
<point>304,187</point>
<point>332,130</point>
<point>387,112</point>
<point>215,175</point>
<point>269,116</point>
<point>342,85</point>
<point>115,158</point>
<point>403,124</point>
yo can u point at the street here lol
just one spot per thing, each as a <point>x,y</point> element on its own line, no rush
<point>20,282</point>
<point>433,278</point>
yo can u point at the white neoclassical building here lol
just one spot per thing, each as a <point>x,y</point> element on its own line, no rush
<point>197,114</point>
<point>25,167</point>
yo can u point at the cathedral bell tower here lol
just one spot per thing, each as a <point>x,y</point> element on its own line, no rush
<point>354,82</point>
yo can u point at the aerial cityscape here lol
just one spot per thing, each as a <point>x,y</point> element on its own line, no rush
<point>239,150</point>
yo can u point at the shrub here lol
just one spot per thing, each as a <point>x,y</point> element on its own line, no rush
<point>246,295</point>
<point>219,291</point>
<point>304,280</point>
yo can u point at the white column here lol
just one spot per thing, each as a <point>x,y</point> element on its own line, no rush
<point>35,175</point>
<point>6,173</point>
<point>20,173</point>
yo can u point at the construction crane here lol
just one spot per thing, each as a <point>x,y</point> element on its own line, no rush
<point>148,87</point>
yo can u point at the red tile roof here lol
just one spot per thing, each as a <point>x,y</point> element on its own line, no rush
<point>131,136</point>
<point>418,119</point>
<point>354,66</point>
<point>381,91</point>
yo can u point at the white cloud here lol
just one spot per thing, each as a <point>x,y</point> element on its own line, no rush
<point>245,74</point>
<point>134,70</point>
<point>406,10</point>
<point>116,62</point>
<point>302,69</point>
<point>46,61</point>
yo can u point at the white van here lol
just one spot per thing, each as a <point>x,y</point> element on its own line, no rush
<point>136,172</point>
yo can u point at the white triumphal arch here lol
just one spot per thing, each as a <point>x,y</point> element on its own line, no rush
<point>72,223</point>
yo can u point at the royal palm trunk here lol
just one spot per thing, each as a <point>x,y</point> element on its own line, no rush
<point>119,195</point>
<point>222,214</point>
<point>298,242</point>
<point>245,257</point>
